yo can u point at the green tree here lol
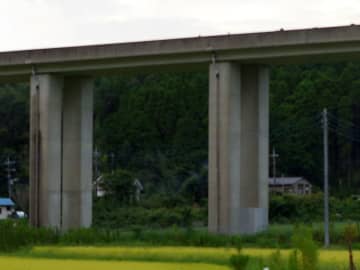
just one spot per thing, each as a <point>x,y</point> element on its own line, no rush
<point>119,187</point>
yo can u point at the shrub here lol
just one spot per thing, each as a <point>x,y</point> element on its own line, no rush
<point>293,263</point>
<point>239,261</point>
<point>350,234</point>
<point>303,241</point>
<point>276,261</point>
<point>305,209</point>
<point>17,234</point>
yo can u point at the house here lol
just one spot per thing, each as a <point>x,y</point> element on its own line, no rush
<point>100,191</point>
<point>138,189</point>
<point>7,208</point>
<point>290,185</point>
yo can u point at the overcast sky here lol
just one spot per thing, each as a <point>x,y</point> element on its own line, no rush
<point>27,24</point>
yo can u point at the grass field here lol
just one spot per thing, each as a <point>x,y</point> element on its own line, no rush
<point>162,258</point>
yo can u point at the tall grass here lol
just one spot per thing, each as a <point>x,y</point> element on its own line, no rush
<point>14,235</point>
<point>303,241</point>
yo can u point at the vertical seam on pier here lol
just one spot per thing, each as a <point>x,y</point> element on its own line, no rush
<point>218,174</point>
<point>36,151</point>
<point>62,155</point>
<point>37,154</point>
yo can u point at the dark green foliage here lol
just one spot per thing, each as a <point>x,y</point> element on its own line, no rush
<point>293,263</point>
<point>239,261</point>
<point>163,211</point>
<point>119,187</point>
<point>298,94</point>
<point>14,127</point>
<point>195,187</point>
<point>351,233</point>
<point>161,217</point>
<point>276,261</point>
<point>308,209</point>
<point>14,235</point>
<point>156,125</point>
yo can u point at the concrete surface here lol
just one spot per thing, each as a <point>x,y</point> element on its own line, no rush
<point>296,46</point>
<point>45,148</point>
<point>238,148</point>
<point>61,128</point>
<point>77,153</point>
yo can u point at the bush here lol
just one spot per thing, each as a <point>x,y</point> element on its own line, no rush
<point>239,261</point>
<point>119,187</point>
<point>276,261</point>
<point>350,234</point>
<point>305,209</point>
<point>303,241</point>
<point>125,217</point>
<point>18,234</point>
<point>293,263</point>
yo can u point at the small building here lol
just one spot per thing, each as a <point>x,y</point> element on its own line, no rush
<point>99,190</point>
<point>290,185</point>
<point>138,189</point>
<point>7,208</point>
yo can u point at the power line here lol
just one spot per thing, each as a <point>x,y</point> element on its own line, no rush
<point>312,124</point>
<point>343,121</point>
<point>343,132</point>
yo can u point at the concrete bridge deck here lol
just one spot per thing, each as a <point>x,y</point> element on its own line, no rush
<point>295,46</point>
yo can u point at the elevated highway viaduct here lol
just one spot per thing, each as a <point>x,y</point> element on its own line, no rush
<point>61,114</point>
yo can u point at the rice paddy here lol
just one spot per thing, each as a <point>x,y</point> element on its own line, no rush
<point>12,263</point>
<point>147,258</point>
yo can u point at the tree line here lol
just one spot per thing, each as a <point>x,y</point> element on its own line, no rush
<point>155,127</point>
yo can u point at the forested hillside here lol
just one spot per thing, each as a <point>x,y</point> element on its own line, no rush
<point>154,127</point>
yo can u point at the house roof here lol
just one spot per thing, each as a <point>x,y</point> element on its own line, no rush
<point>283,181</point>
<point>6,202</point>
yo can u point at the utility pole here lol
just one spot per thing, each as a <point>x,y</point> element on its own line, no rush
<point>97,155</point>
<point>112,160</point>
<point>274,156</point>
<point>9,163</point>
<point>326,180</point>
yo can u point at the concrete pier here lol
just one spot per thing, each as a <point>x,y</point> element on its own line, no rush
<point>77,153</point>
<point>61,151</point>
<point>238,148</point>
<point>45,150</point>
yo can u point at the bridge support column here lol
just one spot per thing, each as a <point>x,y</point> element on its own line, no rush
<point>61,130</point>
<point>238,148</point>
